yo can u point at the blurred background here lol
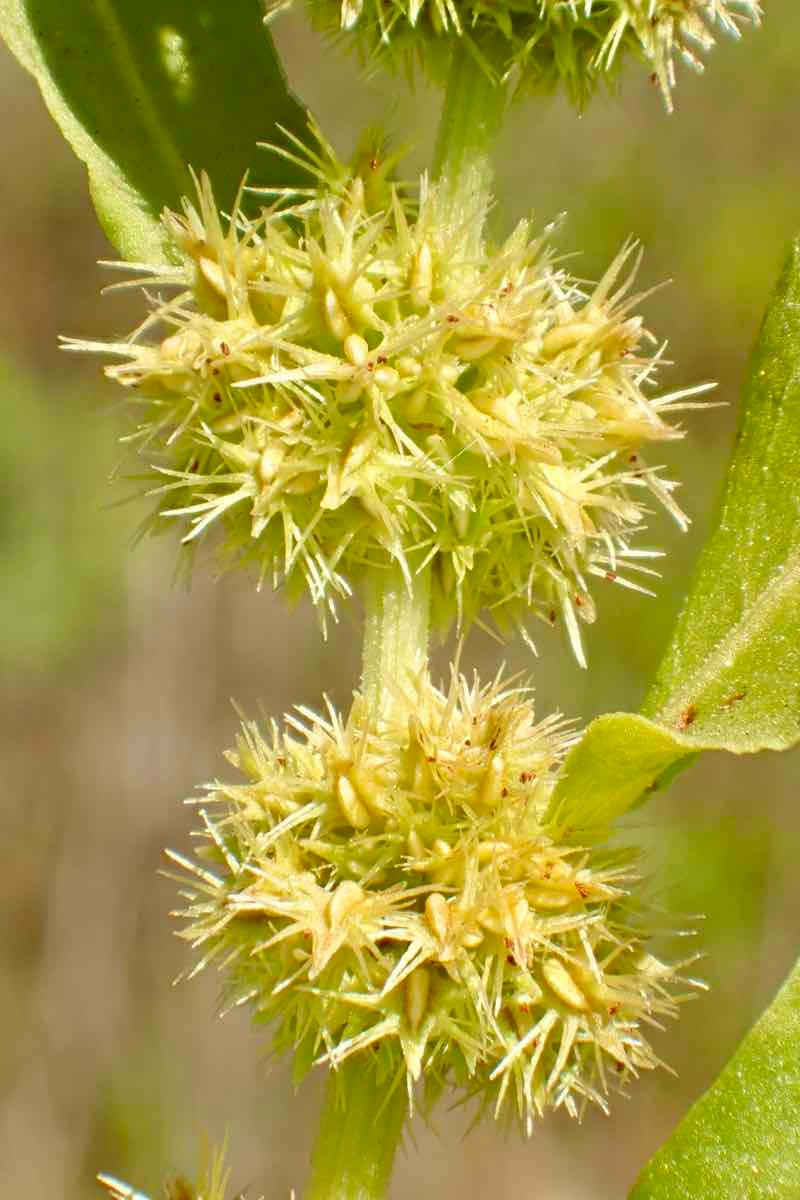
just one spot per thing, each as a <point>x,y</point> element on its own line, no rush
<point>116,683</point>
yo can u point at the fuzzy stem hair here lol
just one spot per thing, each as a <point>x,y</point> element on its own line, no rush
<point>471,118</point>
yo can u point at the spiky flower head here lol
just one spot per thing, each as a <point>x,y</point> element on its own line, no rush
<point>545,43</point>
<point>395,886</point>
<point>353,377</point>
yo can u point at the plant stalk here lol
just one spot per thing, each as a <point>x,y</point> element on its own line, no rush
<point>361,1126</point>
<point>362,1121</point>
<point>396,631</point>
<point>472,114</point>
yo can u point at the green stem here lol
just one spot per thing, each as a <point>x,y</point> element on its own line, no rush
<point>395,630</point>
<point>472,114</point>
<point>361,1126</point>
<point>363,1121</point>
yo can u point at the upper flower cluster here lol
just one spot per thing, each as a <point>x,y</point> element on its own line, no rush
<point>394,885</point>
<point>547,42</point>
<point>351,377</point>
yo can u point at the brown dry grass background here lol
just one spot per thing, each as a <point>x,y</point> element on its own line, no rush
<point>115,685</point>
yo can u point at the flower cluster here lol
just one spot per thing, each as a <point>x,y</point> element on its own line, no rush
<point>345,380</point>
<point>392,885</point>
<point>576,43</point>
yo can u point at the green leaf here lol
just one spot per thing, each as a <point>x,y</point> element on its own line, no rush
<point>731,677</point>
<point>741,1141</point>
<point>619,758</point>
<point>731,680</point>
<point>145,89</point>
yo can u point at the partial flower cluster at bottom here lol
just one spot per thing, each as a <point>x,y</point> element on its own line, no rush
<point>212,1182</point>
<point>390,885</point>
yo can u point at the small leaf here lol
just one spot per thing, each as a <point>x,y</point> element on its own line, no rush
<point>617,760</point>
<point>145,89</point>
<point>741,1141</point>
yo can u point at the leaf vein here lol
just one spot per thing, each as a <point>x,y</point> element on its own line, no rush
<point>740,635</point>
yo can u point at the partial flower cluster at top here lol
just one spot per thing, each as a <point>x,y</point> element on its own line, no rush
<point>547,43</point>
<point>393,885</point>
<point>344,380</point>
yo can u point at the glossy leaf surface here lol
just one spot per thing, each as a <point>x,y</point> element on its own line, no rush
<point>145,89</point>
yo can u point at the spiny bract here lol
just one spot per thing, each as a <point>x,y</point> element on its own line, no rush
<point>341,382</point>
<point>577,43</point>
<point>392,886</point>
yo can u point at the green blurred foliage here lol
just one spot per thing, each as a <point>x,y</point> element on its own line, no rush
<point>61,556</point>
<point>726,859</point>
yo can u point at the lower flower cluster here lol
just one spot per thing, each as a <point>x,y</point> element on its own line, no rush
<point>390,885</point>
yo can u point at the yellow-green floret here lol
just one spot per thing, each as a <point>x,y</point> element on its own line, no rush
<point>390,886</point>
<point>352,377</point>
<point>541,43</point>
